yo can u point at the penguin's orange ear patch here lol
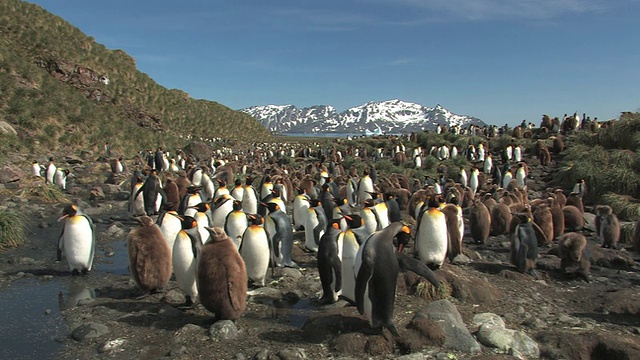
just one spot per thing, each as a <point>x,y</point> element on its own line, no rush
<point>406,229</point>
<point>194,223</point>
<point>336,225</point>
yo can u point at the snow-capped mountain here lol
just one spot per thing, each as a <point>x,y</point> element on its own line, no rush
<point>387,117</point>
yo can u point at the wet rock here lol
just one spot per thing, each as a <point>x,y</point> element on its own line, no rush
<point>85,302</point>
<point>414,356</point>
<point>43,225</point>
<point>450,321</point>
<point>264,295</point>
<point>292,354</point>
<point>111,346</point>
<point>47,311</point>
<point>223,330</point>
<point>115,231</point>
<point>88,331</point>
<point>170,311</point>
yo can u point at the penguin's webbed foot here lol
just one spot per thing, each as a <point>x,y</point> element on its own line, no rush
<point>292,265</point>
<point>326,300</point>
<point>75,272</point>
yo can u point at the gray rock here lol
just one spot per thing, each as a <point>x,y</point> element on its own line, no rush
<point>414,356</point>
<point>449,319</point>
<point>43,225</point>
<point>262,355</point>
<point>111,346</point>
<point>488,318</point>
<point>504,339</point>
<point>170,311</point>
<point>88,331</point>
<point>461,259</point>
<point>292,273</point>
<point>292,354</point>
<point>73,160</point>
<point>189,332</point>
<point>122,195</point>
<point>174,297</point>
<point>178,351</point>
<point>264,295</point>
<point>115,231</point>
<point>223,330</point>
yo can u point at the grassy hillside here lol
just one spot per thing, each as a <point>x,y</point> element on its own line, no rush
<point>52,92</point>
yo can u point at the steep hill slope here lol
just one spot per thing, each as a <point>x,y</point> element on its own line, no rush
<point>61,89</point>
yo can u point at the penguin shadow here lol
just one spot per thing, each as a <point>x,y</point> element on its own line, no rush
<point>616,319</point>
<point>492,268</point>
<point>321,327</point>
<point>151,312</point>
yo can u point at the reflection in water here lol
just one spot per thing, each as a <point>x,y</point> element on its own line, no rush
<point>27,331</point>
<point>118,263</point>
<point>294,313</point>
<point>75,292</point>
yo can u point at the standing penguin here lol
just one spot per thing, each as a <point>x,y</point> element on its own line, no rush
<point>350,245</point>
<point>236,223</point>
<point>330,262</point>
<point>149,256</point>
<point>377,271</point>
<point>365,187</point>
<point>60,178</point>
<point>315,225</point>
<point>222,206</point>
<point>432,237</point>
<point>186,250</point>
<point>36,169</point>
<point>609,227</point>
<point>238,190</point>
<point>455,228</point>
<point>77,240</point>
<point>300,209</point>
<point>50,171</point>
<point>479,222</point>
<point>255,249</point>
<point>222,277</point>
<point>249,197</point>
<point>170,225</point>
<point>152,194</point>
<point>204,220</point>
<point>283,236</point>
<point>173,193</point>
<point>524,245</point>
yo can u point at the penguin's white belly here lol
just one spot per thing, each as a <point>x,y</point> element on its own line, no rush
<point>249,202</point>
<point>349,252</point>
<point>236,226</point>
<point>170,230</point>
<point>432,239</point>
<point>78,245</point>
<point>137,206</point>
<point>197,178</point>
<point>220,214</point>
<point>184,266</point>
<point>310,223</point>
<point>237,193</point>
<point>255,253</point>
<point>300,210</point>
<point>204,233</point>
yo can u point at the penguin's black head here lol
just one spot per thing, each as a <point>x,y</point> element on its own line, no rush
<point>273,207</point>
<point>354,221</point>
<point>402,238</point>
<point>335,223</point>
<point>237,182</point>
<point>68,211</point>
<point>255,219</point>
<point>202,207</point>
<point>237,205</point>
<point>189,222</point>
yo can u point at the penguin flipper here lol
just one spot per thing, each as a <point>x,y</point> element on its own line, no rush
<point>364,275</point>
<point>336,264</point>
<point>408,263</point>
<point>93,241</point>
<point>232,287</point>
<point>277,240</point>
<point>60,245</point>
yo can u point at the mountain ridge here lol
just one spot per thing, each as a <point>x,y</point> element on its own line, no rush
<point>389,117</point>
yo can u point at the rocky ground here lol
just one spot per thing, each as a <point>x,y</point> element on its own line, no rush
<point>485,309</point>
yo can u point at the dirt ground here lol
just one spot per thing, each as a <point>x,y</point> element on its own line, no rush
<point>568,317</point>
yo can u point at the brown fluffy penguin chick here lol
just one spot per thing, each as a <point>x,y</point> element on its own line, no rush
<point>149,256</point>
<point>500,219</point>
<point>609,227</point>
<point>479,222</point>
<point>572,250</point>
<point>558,217</point>
<point>573,218</point>
<point>451,212</point>
<point>222,277</point>
<point>543,218</point>
<point>575,199</point>
<point>560,198</point>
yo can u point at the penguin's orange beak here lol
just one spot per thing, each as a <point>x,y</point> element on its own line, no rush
<point>63,217</point>
<point>400,248</point>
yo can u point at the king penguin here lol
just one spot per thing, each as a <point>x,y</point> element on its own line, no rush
<point>222,206</point>
<point>330,262</point>
<point>170,225</point>
<point>149,256</point>
<point>236,223</point>
<point>315,225</point>
<point>222,277</point>
<point>77,240</point>
<point>282,238</point>
<point>350,246</point>
<point>50,171</point>
<point>432,237</point>
<point>377,269</point>
<point>249,197</point>
<point>524,245</point>
<point>300,208</point>
<point>365,187</point>
<point>204,220</point>
<point>255,250</point>
<point>186,249</point>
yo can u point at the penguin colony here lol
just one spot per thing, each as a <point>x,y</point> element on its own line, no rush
<point>216,240</point>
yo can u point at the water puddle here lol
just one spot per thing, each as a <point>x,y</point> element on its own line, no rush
<point>32,325</point>
<point>115,259</point>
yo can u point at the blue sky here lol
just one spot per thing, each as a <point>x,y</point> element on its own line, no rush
<point>499,60</point>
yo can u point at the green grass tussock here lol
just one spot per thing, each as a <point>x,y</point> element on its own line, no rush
<point>11,230</point>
